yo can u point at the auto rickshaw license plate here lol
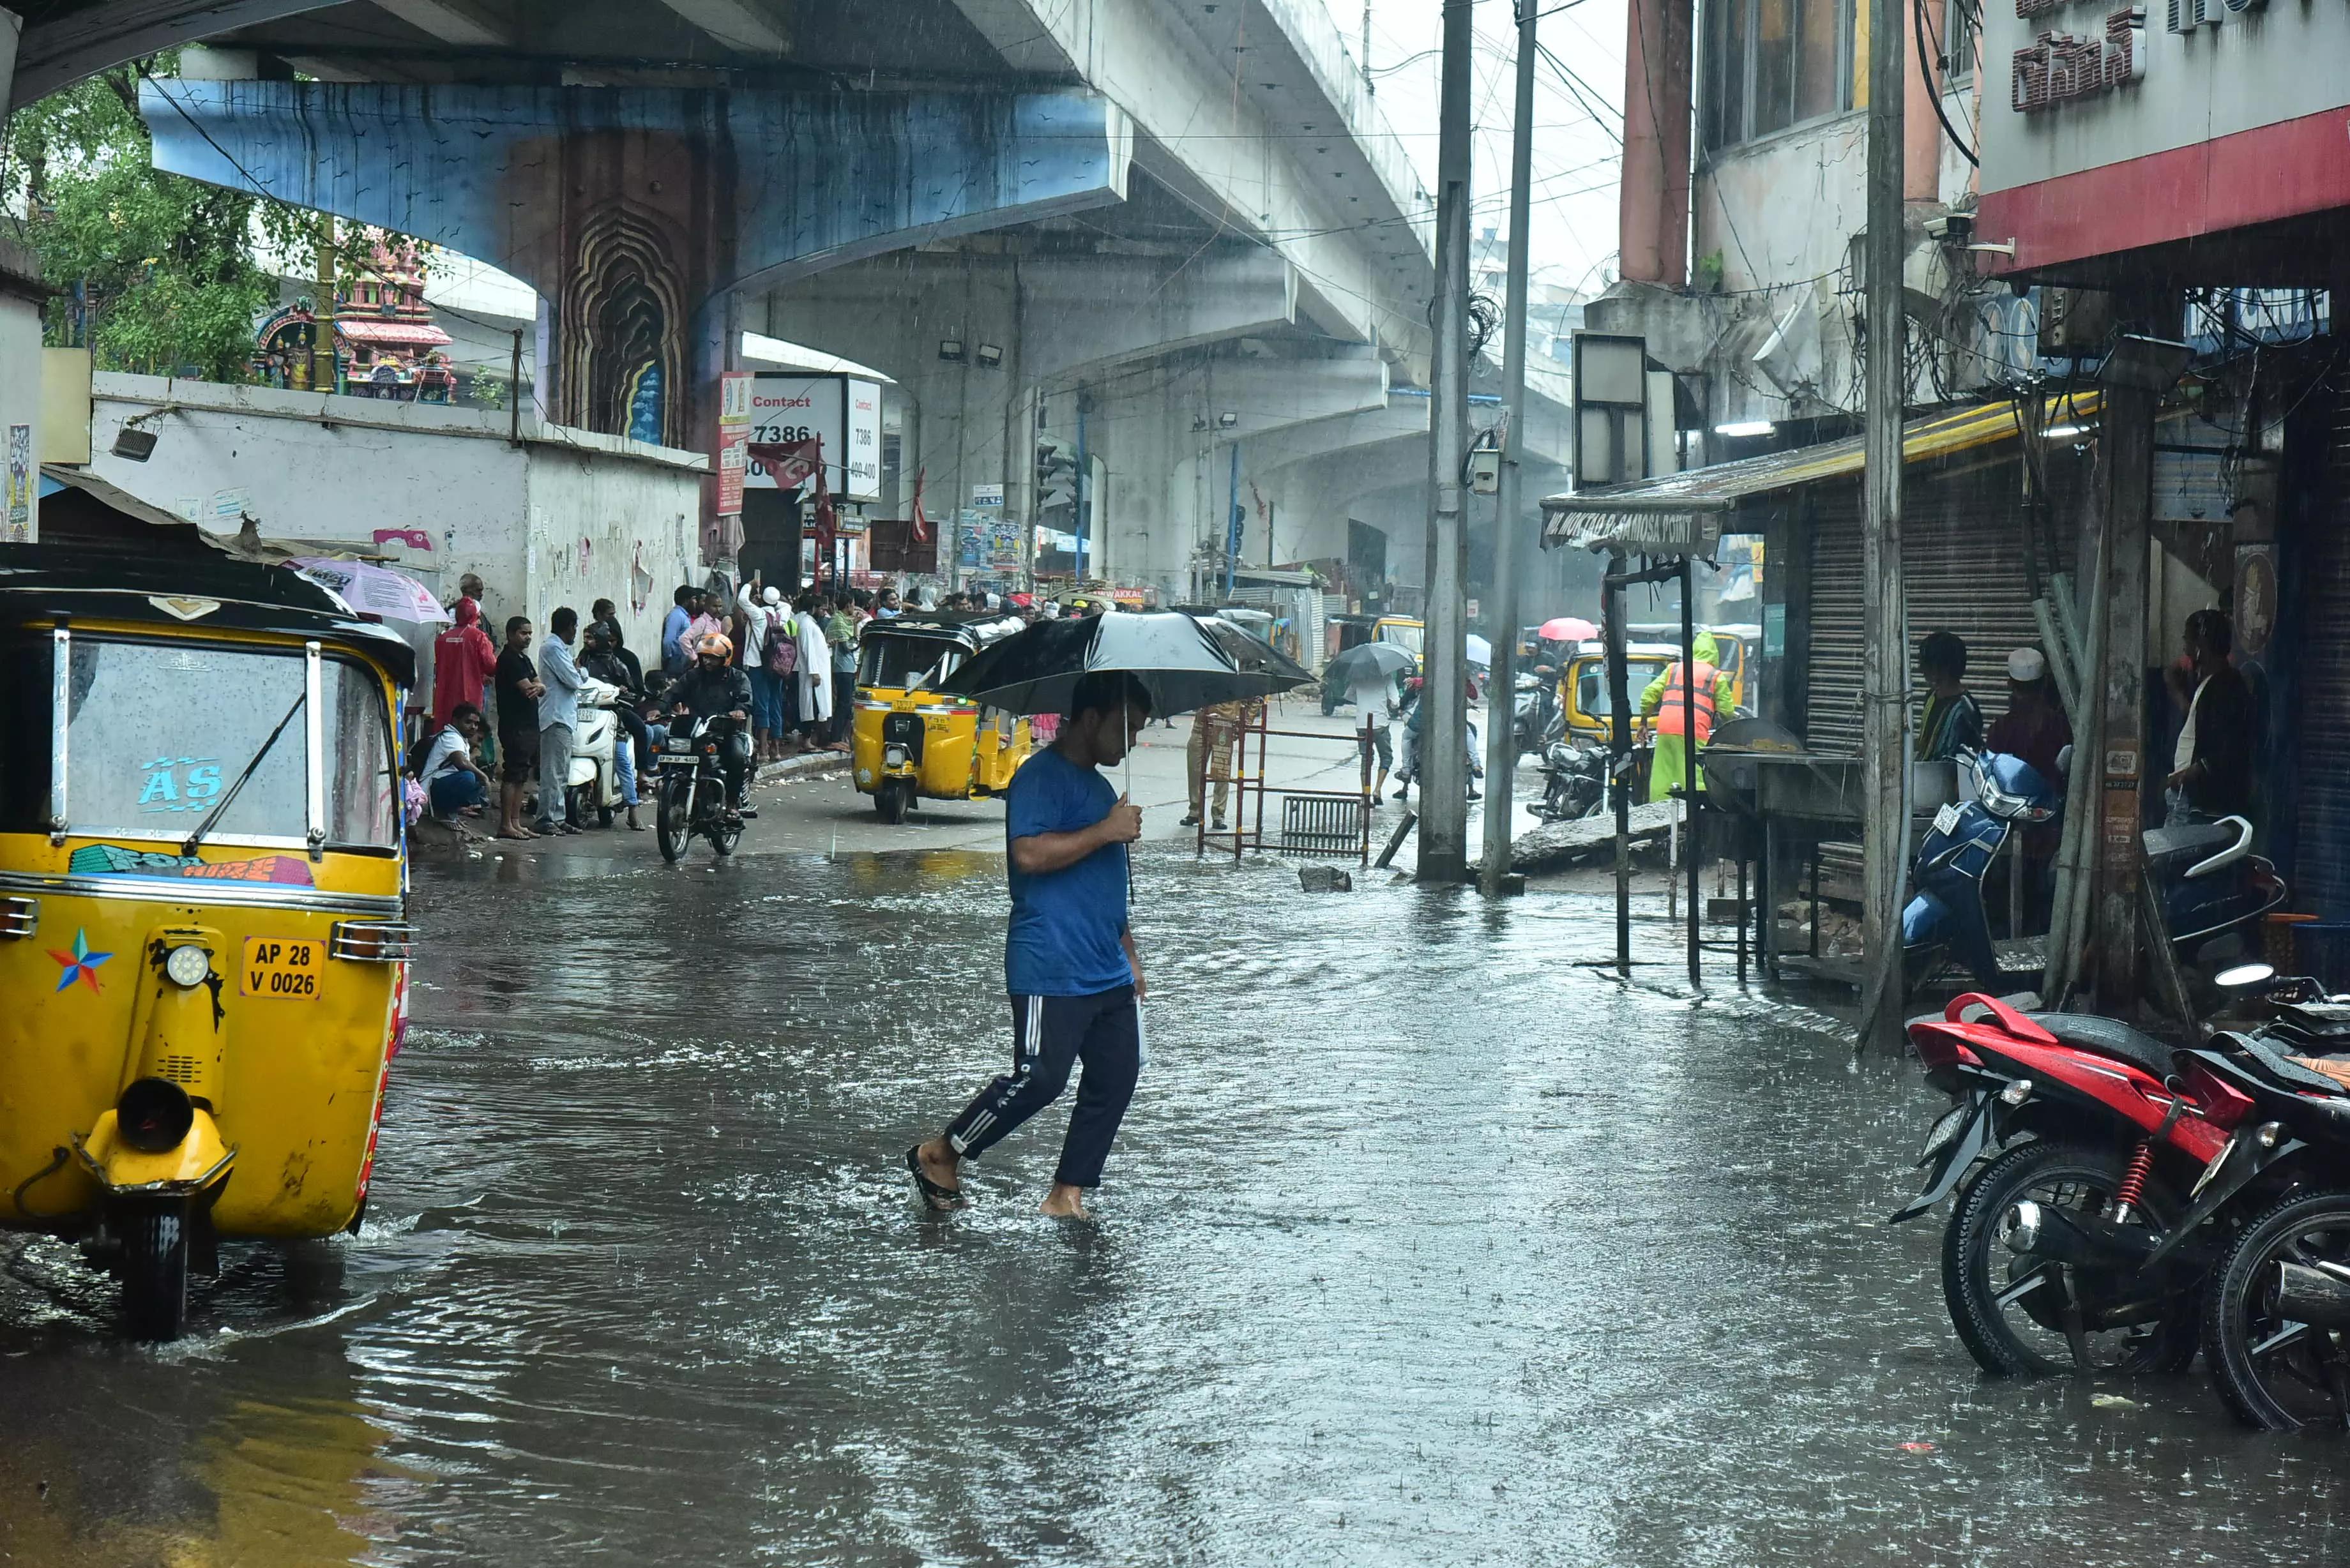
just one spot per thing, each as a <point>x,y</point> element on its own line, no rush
<point>290,968</point>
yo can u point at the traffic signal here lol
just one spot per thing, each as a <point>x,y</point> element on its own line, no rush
<point>1057,476</point>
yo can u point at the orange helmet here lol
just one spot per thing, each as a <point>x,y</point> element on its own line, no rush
<point>717,643</point>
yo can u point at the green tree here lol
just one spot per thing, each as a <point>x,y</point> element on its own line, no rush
<point>160,272</point>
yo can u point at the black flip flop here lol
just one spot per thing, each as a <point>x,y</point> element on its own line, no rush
<point>939,1199</point>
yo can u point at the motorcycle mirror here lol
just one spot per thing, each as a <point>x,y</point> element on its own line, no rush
<point>2065,761</point>
<point>2236,977</point>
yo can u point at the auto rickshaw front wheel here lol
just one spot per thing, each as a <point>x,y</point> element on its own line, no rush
<point>155,1270</point>
<point>891,798</point>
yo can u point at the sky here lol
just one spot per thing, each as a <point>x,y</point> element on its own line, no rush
<point>1577,158</point>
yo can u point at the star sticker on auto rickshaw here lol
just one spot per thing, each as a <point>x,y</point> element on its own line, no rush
<point>79,964</point>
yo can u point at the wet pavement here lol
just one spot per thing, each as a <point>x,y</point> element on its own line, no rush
<point>1422,1245</point>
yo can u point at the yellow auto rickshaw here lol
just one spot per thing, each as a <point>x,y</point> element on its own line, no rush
<point>202,928</point>
<point>1582,685</point>
<point>910,740</point>
<point>1406,632</point>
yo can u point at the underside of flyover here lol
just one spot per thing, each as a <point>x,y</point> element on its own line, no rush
<point>1158,217</point>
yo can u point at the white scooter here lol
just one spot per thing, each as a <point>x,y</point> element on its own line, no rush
<point>594,785</point>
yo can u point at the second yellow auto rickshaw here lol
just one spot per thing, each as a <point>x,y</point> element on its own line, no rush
<point>910,741</point>
<point>202,937</point>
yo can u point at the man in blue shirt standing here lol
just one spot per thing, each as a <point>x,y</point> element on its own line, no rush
<point>675,655</point>
<point>1068,960</point>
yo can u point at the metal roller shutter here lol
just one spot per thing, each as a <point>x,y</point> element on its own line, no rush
<point>1963,568</point>
<point>2324,859</point>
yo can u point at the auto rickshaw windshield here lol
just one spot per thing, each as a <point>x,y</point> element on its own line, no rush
<point>159,733</point>
<point>907,663</point>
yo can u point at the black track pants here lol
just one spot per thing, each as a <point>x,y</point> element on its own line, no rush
<point>1050,1034</point>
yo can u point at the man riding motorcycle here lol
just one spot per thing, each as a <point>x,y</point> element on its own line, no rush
<point>710,687</point>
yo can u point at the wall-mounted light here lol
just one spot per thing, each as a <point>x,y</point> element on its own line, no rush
<point>1743,428</point>
<point>135,442</point>
<point>2061,432</point>
<point>2144,364</point>
<point>1228,420</point>
<point>950,351</point>
<point>1199,422</point>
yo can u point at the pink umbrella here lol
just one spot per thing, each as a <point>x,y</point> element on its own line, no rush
<point>1567,629</point>
<point>373,590</point>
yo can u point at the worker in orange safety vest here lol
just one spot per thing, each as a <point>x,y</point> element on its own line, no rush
<point>1663,700</point>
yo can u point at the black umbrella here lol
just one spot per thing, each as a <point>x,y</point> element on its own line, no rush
<point>1366,663</point>
<point>1184,662</point>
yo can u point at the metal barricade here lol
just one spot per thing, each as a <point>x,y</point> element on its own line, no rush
<point>1322,822</point>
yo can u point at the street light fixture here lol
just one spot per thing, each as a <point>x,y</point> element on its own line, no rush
<point>950,351</point>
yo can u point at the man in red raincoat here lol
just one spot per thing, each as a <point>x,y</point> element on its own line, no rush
<point>462,661</point>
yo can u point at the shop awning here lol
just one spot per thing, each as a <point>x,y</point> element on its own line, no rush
<point>1683,513</point>
<point>406,334</point>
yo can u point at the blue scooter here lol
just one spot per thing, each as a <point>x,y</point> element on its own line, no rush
<point>1946,918</point>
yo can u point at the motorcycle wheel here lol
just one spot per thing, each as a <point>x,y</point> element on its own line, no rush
<point>2026,1317</point>
<point>669,825</point>
<point>890,798</point>
<point>155,1274</point>
<point>2275,1372</point>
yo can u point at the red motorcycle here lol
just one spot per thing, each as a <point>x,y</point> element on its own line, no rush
<point>2073,1147</point>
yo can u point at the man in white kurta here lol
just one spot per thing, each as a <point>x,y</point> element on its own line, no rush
<point>815,672</point>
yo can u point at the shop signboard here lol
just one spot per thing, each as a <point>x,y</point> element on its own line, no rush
<point>842,412</point>
<point>733,452</point>
<point>2109,127</point>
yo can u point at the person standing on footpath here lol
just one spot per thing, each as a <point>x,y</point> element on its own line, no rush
<point>840,634</point>
<point>462,663</point>
<point>519,690</point>
<point>815,669</point>
<point>1951,723</point>
<point>674,651</point>
<point>2211,770</point>
<point>1069,959</point>
<point>558,718</point>
<point>2034,728</point>
<point>751,653</point>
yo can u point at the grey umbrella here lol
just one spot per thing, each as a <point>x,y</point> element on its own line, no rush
<point>1182,662</point>
<point>1367,662</point>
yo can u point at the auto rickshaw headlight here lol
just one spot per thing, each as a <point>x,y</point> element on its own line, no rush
<point>153,1116</point>
<point>187,965</point>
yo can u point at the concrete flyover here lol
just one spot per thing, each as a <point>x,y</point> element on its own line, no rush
<point>1158,217</point>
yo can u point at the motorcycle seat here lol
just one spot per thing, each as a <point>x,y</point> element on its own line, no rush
<point>2108,1037</point>
<point>2167,845</point>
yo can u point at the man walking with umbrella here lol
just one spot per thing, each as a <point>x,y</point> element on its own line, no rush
<point>1069,959</point>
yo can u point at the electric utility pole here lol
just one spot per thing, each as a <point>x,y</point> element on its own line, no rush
<point>1443,762</point>
<point>1885,660</point>
<point>1509,522</point>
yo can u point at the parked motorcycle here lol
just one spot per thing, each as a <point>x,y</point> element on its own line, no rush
<point>2073,1147</point>
<point>1946,918</point>
<point>693,795</point>
<point>2213,891</point>
<point>2275,1325</point>
<point>1575,782</point>
<point>593,786</point>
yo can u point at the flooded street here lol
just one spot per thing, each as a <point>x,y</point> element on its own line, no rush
<point>1421,1245</point>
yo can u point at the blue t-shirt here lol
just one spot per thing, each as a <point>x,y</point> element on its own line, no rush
<point>1066,924</point>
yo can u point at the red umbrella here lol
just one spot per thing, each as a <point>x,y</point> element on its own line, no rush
<point>1567,629</point>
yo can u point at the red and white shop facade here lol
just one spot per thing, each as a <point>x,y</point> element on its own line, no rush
<point>2205,145</point>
